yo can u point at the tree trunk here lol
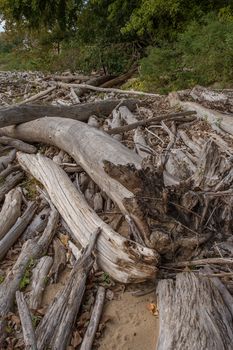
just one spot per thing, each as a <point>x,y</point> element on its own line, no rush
<point>20,114</point>
<point>124,260</point>
<point>193,315</point>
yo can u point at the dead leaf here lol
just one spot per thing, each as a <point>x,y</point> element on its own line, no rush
<point>64,239</point>
<point>76,339</point>
<point>153,309</point>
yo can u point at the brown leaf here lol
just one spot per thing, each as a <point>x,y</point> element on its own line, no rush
<point>153,309</point>
<point>76,340</point>
<point>64,239</point>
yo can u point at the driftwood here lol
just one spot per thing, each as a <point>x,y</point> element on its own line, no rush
<point>182,323</point>
<point>10,182</point>
<point>10,211</point>
<point>32,249</point>
<point>17,229</point>
<point>37,96</point>
<point>120,79</point>
<point>55,329</point>
<point>18,144</point>
<point>68,78</point>
<point>9,170</point>
<point>94,321</point>
<point>39,275</point>
<point>93,150</point>
<point>20,114</point>
<point>94,81</point>
<point>37,225</point>
<point>6,160</point>
<point>59,260</point>
<point>26,322</point>
<point>124,260</point>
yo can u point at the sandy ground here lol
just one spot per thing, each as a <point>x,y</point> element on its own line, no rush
<point>132,326</point>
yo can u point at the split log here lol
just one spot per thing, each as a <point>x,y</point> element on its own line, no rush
<point>10,211</point>
<point>20,114</point>
<point>37,96</point>
<point>26,322</point>
<point>55,329</point>
<point>124,260</point>
<point>18,144</point>
<point>6,160</point>
<point>183,325</point>
<point>37,225</point>
<point>93,150</point>
<point>107,90</point>
<point>10,182</point>
<point>94,321</point>
<point>217,120</point>
<point>32,249</point>
<point>15,232</point>
<point>39,275</point>
<point>59,260</point>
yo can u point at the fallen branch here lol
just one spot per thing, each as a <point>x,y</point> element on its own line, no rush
<point>26,322</point>
<point>37,96</point>
<point>94,321</point>
<point>10,182</point>
<point>200,262</point>
<point>18,144</point>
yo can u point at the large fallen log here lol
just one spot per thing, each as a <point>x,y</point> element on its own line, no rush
<point>10,211</point>
<point>193,314</point>
<point>20,114</point>
<point>93,150</point>
<point>124,260</point>
<point>55,329</point>
<point>32,249</point>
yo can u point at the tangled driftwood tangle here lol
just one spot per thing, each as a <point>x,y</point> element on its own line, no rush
<point>138,188</point>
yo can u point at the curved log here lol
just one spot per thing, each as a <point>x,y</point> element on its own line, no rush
<point>124,260</point>
<point>92,149</point>
<point>193,314</point>
<point>24,113</point>
<point>10,211</point>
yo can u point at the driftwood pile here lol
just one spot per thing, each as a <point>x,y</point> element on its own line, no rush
<point>140,189</point>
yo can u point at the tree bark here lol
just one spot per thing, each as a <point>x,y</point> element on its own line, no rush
<point>94,321</point>
<point>20,114</point>
<point>193,315</point>
<point>10,211</point>
<point>124,260</point>
<point>26,322</point>
<point>55,329</point>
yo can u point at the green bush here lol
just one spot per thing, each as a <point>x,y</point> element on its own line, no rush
<point>202,54</point>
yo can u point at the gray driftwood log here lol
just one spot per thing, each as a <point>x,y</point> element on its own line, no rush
<point>26,322</point>
<point>17,229</point>
<point>37,225</point>
<point>18,144</point>
<point>97,153</point>
<point>55,329</point>
<point>11,210</point>
<point>94,321</point>
<point>32,249</point>
<point>20,114</point>
<point>193,314</point>
<point>9,182</point>
<point>124,260</point>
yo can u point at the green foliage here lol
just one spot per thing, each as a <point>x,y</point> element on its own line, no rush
<point>25,280</point>
<point>202,54</point>
<point>1,279</point>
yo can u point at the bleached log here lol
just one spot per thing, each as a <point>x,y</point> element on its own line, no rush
<point>18,144</point>
<point>17,229</point>
<point>93,150</point>
<point>32,249</point>
<point>75,251</point>
<point>39,275</point>
<point>183,325</point>
<point>13,115</point>
<point>124,260</point>
<point>26,322</point>
<point>94,321</point>
<point>10,211</point>
<point>10,182</point>
<point>37,225</point>
<point>55,329</point>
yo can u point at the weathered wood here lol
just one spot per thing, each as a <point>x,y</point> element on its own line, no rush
<point>37,96</point>
<point>20,114</point>
<point>124,260</point>
<point>18,144</point>
<point>193,315</point>
<point>22,222</point>
<point>32,249</point>
<point>55,329</point>
<point>37,225</point>
<point>39,275</point>
<point>26,322</point>
<point>10,211</point>
<point>10,169</point>
<point>12,180</point>
<point>6,160</point>
<point>120,79</point>
<point>93,150</point>
<point>94,81</point>
<point>59,260</point>
<point>94,321</point>
<point>200,262</point>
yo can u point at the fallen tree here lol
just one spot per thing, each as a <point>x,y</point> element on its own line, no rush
<point>20,114</point>
<point>124,260</point>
